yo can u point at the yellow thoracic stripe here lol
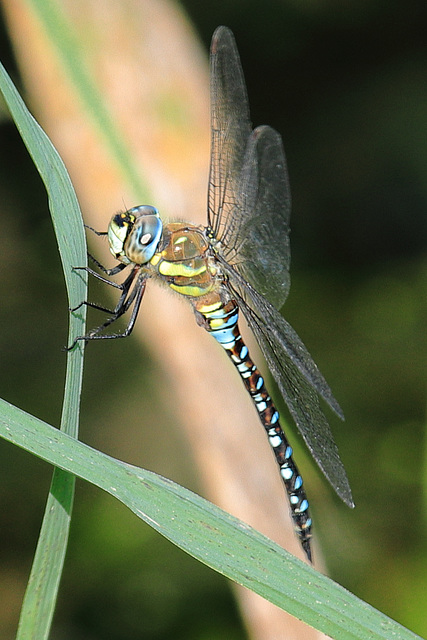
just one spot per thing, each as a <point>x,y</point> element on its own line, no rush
<point>180,269</point>
<point>192,290</point>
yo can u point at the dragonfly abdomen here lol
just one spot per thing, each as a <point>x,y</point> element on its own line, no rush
<point>222,323</point>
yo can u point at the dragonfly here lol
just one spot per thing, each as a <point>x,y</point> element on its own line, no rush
<point>239,262</point>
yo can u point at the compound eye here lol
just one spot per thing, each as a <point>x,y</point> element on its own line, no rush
<point>135,234</point>
<point>143,239</point>
<point>142,210</point>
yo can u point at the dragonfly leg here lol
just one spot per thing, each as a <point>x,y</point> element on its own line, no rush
<point>98,233</point>
<point>130,296</point>
<point>109,272</point>
<point>92,305</point>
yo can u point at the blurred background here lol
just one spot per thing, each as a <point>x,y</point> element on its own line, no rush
<point>345,84</point>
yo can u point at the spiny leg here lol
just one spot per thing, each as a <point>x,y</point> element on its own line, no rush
<point>128,297</point>
<point>110,272</point>
<point>123,286</point>
<point>98,233</point>
<point>222,324</point>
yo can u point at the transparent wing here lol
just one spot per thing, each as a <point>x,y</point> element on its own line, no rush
<point>298,379</point>
<point>248,214</point>
<point>230,129</point>
<point>256,241</point>
<point>248,197</point>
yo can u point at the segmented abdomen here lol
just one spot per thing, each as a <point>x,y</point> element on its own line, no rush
<point>222,323</point>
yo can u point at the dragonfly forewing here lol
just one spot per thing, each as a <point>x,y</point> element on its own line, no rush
<point>230,129</point>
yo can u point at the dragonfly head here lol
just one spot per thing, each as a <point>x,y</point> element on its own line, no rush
<point>135,234</point>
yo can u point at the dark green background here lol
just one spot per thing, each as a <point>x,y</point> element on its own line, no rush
<point>346,85</point>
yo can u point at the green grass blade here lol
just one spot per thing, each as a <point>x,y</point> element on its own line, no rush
<point>42,589</point>
<point>209,534</point>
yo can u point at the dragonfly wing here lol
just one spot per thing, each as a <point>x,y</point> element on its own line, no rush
<point>257,243</point>
<point>230,129</point>
<point>248,216</point>
<point>298,379</point>
<point>248,196</point>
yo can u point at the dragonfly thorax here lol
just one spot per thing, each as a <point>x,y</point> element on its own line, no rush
<point>135,234</point>
<point>184,260</point>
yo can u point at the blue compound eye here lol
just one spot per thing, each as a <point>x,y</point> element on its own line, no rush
<point>135,234</point>
<point>144,236</point>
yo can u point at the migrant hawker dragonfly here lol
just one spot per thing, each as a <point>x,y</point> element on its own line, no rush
<point>239,261</point>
